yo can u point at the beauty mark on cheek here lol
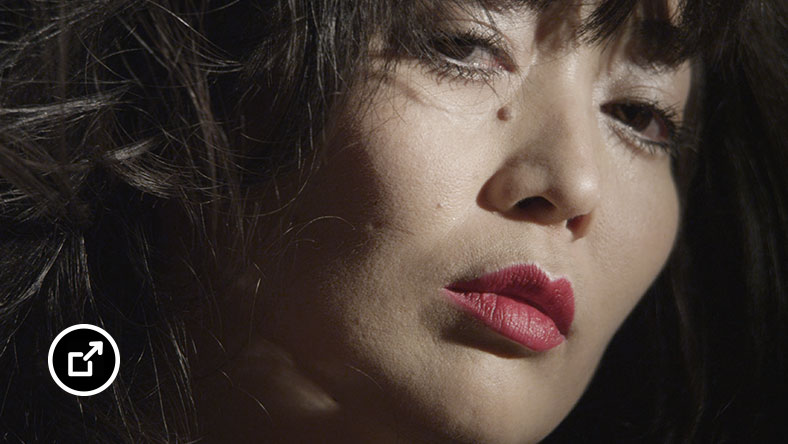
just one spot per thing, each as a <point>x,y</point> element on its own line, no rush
<point>504,114</point>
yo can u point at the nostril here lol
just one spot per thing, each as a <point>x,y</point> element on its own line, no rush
<point>578,224</point>
<point>531,203</point>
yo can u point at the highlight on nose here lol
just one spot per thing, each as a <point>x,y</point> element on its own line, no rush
<point>575,192</point>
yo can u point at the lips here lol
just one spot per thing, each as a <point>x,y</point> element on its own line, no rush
<point>521,303</point>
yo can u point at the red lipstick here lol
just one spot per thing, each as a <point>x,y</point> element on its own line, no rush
<point>521,303</point>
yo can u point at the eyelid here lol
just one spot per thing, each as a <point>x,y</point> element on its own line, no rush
<point>479,28</point>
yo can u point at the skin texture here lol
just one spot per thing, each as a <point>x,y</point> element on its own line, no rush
<point>351,339</point>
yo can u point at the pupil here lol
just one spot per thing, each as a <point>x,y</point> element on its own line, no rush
<point>635,116</point>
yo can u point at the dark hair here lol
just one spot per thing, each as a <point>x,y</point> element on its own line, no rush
<point>112,110</point>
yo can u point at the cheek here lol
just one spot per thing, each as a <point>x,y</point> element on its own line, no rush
<point>636,233</point>
<point>409,167</point>
<point>381,187</point>
<point>647,221</point>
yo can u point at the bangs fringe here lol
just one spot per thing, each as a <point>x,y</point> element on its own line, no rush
<point>692,27</point>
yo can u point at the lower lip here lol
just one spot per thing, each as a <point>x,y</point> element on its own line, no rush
<point>513,319</point>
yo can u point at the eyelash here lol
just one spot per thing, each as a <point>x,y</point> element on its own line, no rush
<point>445,67</point>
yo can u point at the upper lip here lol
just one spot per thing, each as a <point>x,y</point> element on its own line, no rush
<point>530,284</point>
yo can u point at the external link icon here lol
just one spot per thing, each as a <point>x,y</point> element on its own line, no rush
<point>96,347</point>
<point>83,360</point>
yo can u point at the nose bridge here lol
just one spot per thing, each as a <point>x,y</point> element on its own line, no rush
<point>568,149</point>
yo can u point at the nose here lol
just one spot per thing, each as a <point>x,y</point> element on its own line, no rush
<point>552,174</point>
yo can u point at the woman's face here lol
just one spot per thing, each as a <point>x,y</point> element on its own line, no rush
<point>518,147</point>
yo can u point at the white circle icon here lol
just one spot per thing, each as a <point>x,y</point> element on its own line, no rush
<point>83,360</point>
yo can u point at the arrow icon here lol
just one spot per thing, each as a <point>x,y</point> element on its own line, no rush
<point>98,346</point>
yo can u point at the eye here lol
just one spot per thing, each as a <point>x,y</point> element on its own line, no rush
<point>469,51</point>
<point>652,124</point>
<point>469,56</point>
